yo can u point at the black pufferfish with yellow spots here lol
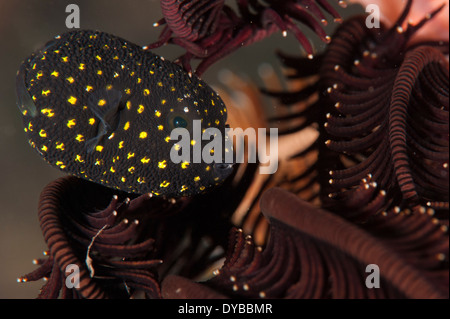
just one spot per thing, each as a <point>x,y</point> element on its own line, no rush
<point>101,108</point>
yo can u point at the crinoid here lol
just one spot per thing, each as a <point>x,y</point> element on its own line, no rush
<point>210,30</point>
<point>313,253</point>
<point>100,240</point>
<point>383,119</point>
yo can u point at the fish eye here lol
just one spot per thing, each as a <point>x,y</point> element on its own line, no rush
<point>176,120</point>
<point>179,121</point>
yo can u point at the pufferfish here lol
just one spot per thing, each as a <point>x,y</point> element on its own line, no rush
<point>102,108</point>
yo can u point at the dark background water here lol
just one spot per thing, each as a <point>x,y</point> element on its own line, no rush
<point>24,26</point>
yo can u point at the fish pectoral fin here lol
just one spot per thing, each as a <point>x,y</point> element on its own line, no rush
<point>92,143</point>
<point>24,101</point>
<point>106,105</point>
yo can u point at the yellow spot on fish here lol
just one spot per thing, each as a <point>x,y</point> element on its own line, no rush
<point>193,142</point>
<point>130,155</point>
<point>146,92</point>
<point>44,148</point>
<point>160,84</point>
<point>81,66</point>
<point>48,112</point>
<point>46,92</point>
<point>120,144</point>
<point>78,158</point>
<point>101,102</point>
<point>163,102</point>
<point>112,170</point>
<point>196,178</point>
<point>145,160</point>
<point>91,121</point>
<point>71,123</point>
<point>157,113</point>
<point>70,79</point>
<point>217,122</point>
<point>30,126</point>
<point>160,127</point>
<point>109,87</point>
<point>202,188</point>
<point>164,184</point>
<point>60,146</point>
<point>65,59</point>
<point>89,88</point>
<point>128,105</point>
<point>123,179</point>
<point>72,100</point>
<point>99,148</point>
<point>141,180</point>
<point>131,169</point>
<point>98,57</point>
<point>42,133</point>
<point>184,165</point>
<point>39,74</point>
<point>162,164</point>
<point>128,91</point>
<point>99,72</point>
<point>98,162</point>
<point>80,138</point>
<point>140,108</point>
<point>183,188</point>
<point>167,139</point>
<point>126,126</point>
<point>143,135</point>
<point>55,74</point>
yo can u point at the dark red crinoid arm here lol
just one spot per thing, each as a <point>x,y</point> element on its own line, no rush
<point>313,253</point>
<point>210,30</point>
<point>382,114</point>
<point>83,230</point>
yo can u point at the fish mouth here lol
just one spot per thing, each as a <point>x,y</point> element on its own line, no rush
<point>24,100</point>
<point>48,45</point>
